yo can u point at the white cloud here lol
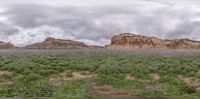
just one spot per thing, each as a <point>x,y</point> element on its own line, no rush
<point>30,36</point>
<point>3,18</point>
<point>1,10</point>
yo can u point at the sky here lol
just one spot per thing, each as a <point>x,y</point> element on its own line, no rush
<point>94,22</point>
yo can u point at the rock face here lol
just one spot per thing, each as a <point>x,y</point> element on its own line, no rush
<point>4,45</point>
<point>52,43</point>
<point>128,40</point>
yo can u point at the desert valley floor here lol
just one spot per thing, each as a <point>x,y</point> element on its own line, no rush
<point>99,73</point>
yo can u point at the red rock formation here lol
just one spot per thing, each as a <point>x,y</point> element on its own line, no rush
<point>52,43</point>
<point>128,40</point>
<point>4,45</point>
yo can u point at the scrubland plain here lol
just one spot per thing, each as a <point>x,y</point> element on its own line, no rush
<point>100,72</point>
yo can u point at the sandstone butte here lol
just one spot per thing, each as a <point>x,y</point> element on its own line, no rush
<point>52,43</point>
<point>4,45</point>
<point>128,40</point>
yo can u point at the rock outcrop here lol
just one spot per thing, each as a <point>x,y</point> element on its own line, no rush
<point>128,40</point>
<point>52,43</point>
<point>4,45</point>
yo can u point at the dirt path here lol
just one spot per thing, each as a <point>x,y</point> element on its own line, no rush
<point>107,91</point>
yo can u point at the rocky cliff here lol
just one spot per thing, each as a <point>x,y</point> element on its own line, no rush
<point>52,43</point>
<point>4,45</point>
<point>128,40</point>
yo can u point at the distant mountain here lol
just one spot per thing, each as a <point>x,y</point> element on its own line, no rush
<point>4,45</point>
<point>52,43</point>
<point>128,40</point>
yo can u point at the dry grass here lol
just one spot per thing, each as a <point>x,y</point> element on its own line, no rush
<point>60,79</point>
<point>191,81</point>
<point>129,77</point>
<point>155,87</point>
<point>5,81</point>
<point>2,73</point>
<point>155,76</point>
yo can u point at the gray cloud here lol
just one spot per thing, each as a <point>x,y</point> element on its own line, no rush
<point>7,30</point>
<point>97,24</point>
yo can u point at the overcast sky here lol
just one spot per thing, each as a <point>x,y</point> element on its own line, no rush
<point>25,22</point>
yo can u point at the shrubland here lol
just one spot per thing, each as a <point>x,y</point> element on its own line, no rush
<point>83,73</point>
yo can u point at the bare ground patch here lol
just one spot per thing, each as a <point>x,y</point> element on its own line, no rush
<point>191,81</point>
<point>107,91</point>
<point>198,73</point>
<point>155,76</point>
<point>5,81</point>
<point>129,77</point>
<point>58,80</point>
<point>2,73</point>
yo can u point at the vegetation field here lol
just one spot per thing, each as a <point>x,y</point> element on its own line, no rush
<point>91,73</point>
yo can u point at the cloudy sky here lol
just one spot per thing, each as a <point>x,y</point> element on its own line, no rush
<point>25,22</point>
